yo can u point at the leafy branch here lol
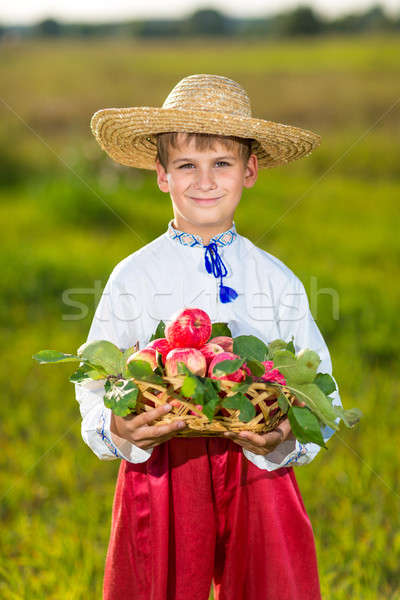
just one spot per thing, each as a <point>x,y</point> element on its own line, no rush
<point>305,396</point>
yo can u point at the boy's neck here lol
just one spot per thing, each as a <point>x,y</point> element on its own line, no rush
<point>206,233</point>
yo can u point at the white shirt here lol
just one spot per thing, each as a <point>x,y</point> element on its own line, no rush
<point>168,274</point>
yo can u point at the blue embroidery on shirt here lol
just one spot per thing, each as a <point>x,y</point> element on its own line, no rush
<point>294,459</point>
<point>215,266</point>
<point>213,262</point>
<point>100,430</point>
<point>189,239</point>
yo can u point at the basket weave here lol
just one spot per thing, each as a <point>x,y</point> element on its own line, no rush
<point>262,395</point>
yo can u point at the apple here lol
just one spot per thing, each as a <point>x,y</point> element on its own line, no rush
<point>191,357</point>
<point>188,328</point>
<point>147,354</point>
<point>272,375</point>
<point>238,375</point>
<point>161,345</point>
<point>224,341</point>
<point>209,351</point>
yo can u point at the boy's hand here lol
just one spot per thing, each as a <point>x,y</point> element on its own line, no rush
<point>138,429</point>
<point>262,444</point>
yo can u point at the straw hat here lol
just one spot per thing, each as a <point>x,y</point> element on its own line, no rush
<point>198,104</point>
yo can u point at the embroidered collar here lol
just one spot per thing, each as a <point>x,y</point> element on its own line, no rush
<point>212,260</point>
<point>189,239</point>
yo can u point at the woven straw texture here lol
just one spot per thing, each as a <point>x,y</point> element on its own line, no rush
<point>198,104</point>
<point>262,395</point>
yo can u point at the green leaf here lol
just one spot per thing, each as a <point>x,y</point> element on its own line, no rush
<point>274,346</point>
<point>53,356</point>
<point>300,369</point>
<point>283,403</point>
<point>242,386</point>
<point>250,347</point>
<point>256,368</point>
<point>316,401</point>
<point>215,383</point>
<point>305,426</point>
<point>124,359</point>
<point>160,363</point>
<point>325,383</point>
<point>219,329</point>
<point>227,367</point>
<point>102,354</point>
<point>159,332</point>
<point>243,404</point>
<point>121,396</point>
<point>350,417</point>
<point>290,346</point>
<point>210,399</point>
<point>188,386</point>
<point>84,374</point>
<point>142,371</point>
<point>192,386</point>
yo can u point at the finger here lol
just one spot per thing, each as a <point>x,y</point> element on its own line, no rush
<point>261,444</point>
<point>164,430</point>
<point>150,436</point>
<point>246,444</point>
<point>267,439</point>
<point>152,415</point>
<point>296,402</point>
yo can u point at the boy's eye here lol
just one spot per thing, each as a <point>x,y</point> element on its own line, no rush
<point>222,163</point>
<point>187,166</point>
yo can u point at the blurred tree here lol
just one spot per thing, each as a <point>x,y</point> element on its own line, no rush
<point>374,19</point>
<point>206,22</point>
<point>302,21</point>
<point>210,22</point>
<point>49,28</point>
<point>155,28</point>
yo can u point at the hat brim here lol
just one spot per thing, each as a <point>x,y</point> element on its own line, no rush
<point>128,135</point>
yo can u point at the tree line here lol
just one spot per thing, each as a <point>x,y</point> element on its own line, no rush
<point>302,21</point>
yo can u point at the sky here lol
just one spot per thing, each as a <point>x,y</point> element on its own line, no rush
<point>25,12</point>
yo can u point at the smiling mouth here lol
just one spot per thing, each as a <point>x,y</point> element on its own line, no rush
<point>205,200</point>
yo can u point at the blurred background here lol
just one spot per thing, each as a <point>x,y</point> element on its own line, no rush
<point>69,214</point>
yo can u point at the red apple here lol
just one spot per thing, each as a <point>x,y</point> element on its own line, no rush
<point>188,328</point>
<point>272,375</point>
<point>238,375</point>
<point>162,345</point>
<point>224,341</point>
<point>191,357</point>
<point>209,351</point>
<point>147,354</point>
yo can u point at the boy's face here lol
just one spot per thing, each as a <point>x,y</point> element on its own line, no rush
<point>205,186</point>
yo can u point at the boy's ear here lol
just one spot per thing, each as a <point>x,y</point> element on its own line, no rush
<point>251,172</point>
<point>161,177</point>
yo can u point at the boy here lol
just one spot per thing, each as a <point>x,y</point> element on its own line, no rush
<point>191,511</point>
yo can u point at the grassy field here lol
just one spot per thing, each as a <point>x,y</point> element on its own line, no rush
<point>69,215</point>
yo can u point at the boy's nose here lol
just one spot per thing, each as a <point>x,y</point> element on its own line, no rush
<point>205,181</point>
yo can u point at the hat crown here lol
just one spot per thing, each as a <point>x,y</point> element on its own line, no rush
<point>210,93</point>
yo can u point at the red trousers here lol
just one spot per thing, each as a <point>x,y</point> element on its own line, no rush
<point>198,511</point>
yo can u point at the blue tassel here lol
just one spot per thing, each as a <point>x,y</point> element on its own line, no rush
<point>214,264</point>
<point>209,268</point>
<point>227,294</point>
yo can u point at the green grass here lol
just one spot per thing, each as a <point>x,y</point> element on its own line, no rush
<point>69,215</point>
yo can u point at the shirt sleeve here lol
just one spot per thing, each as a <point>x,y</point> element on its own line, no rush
<point>107,325</point>
<point>295,319</point>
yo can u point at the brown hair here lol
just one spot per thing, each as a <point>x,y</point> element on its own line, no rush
<point>203,141</point>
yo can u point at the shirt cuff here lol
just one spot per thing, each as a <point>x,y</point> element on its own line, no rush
<point>118,446</point>
<point>287,454</point>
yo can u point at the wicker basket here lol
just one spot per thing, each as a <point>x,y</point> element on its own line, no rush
<point>262,395</point>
